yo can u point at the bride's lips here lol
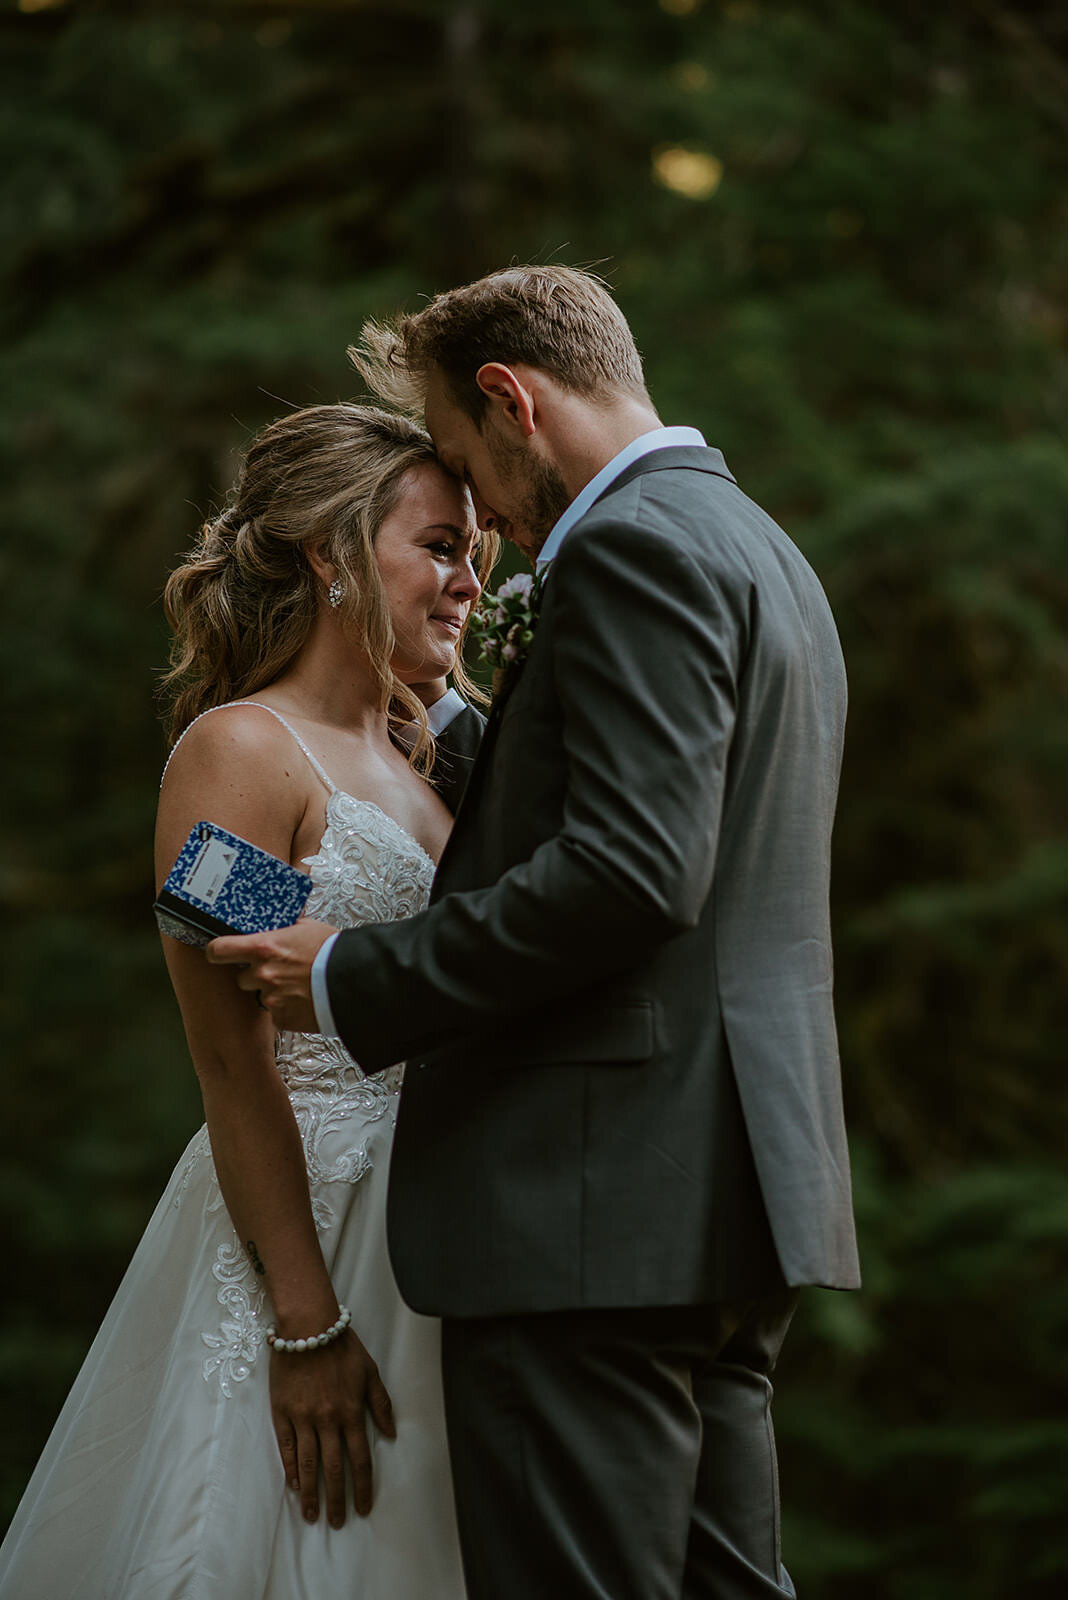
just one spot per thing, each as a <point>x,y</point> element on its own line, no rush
<point>454,624</point>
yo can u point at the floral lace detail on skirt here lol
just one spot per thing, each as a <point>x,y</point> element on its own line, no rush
<point>240,1338</point>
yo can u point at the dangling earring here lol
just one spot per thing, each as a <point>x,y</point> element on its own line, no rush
<point>336,593</point>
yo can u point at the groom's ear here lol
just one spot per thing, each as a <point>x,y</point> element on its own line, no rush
<point>510,397</point>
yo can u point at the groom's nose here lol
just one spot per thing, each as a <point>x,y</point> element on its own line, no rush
<point>485,515</point>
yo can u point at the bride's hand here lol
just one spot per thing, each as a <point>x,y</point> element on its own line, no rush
<point>319,1401</point>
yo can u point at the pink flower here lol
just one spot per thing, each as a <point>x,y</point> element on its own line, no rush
<point>517,587</point>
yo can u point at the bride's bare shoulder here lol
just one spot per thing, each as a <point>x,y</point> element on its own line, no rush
<point>240,767</point>
<point>244,735</point>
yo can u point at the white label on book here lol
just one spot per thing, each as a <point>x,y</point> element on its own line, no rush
<point>210,871</point>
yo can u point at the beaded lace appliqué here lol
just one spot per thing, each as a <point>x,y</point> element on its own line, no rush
<point>367,869</point>
<point>238,1342</point>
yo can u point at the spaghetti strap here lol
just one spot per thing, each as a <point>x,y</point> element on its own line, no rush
<point>316,767</point>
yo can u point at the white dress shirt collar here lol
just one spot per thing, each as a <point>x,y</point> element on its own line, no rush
<point>645,444</point>
<point>438,717</point>
<point>442,712</point>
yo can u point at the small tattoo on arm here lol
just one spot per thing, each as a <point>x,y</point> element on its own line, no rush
<point>254,1257</point>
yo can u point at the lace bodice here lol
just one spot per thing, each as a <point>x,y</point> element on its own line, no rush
<point>367,869</point>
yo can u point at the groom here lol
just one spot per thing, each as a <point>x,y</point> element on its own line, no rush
<point>620,1147</point>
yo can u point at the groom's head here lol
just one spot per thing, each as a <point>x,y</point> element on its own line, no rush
<point>524,377</point>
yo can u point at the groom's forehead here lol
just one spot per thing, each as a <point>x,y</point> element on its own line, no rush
<point>434,404</point>
<point>443,417</point>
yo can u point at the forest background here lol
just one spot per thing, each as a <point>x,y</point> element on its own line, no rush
<point>839,232</point>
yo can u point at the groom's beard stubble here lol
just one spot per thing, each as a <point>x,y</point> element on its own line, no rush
<point>541,495</point>
<point>546,500</point>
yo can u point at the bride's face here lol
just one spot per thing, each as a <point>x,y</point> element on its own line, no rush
<point>423,550</point>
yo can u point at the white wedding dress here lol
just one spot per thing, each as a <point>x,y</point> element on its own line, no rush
<point>161,1479</point>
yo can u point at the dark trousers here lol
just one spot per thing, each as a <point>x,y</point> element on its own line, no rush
<point>617,1455</point>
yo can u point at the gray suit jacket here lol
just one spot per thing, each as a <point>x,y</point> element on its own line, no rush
<point>623,1084</point>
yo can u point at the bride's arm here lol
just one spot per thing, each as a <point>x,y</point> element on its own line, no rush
<point>242,777</point>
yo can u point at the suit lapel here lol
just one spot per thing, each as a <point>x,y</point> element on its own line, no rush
<point>694,458</point>
<point>477,778</point>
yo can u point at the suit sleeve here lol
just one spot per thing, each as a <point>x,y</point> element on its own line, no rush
<point>647,651</point>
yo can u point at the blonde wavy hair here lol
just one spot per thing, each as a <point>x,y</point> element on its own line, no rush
<point>242,604</point>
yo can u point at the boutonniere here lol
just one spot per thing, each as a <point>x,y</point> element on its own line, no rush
<point>503,624</point>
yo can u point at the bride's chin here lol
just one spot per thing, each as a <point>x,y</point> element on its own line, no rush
<point>436,664</point>
<point>441,660</point>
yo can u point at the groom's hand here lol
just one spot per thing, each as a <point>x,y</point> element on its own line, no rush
<point>277,966</point>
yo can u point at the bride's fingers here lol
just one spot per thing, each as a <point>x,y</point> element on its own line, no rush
<point>380,1405</point>
<point>287,1449</point>
<point>333,1476</point>
<point>360,1461</point>
<point>308,1471</point>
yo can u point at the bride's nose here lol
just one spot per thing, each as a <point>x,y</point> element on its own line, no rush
<point>466,585</point>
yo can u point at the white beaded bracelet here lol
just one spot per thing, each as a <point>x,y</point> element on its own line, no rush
<point>298,1347</point>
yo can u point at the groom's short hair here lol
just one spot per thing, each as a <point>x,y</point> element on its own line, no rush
<point>561,320</point>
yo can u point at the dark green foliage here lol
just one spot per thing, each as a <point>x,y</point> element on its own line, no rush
<point>867,312</point>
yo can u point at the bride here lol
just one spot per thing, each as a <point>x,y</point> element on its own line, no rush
<point>319,612</point>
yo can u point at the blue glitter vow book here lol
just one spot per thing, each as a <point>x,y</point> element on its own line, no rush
<point>222,884</point>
